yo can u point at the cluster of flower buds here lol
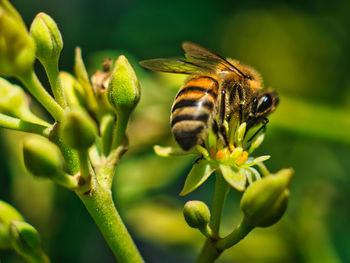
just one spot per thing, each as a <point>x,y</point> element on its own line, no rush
<point>85,110</point>
<point>81,147</point>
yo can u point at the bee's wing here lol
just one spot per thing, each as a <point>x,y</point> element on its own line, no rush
<point>207,59</point>
<point>170,65</point>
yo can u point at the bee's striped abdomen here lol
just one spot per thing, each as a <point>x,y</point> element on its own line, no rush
<point>193,110</point>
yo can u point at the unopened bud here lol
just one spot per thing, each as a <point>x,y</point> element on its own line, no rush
<point>78,130</point>
<point>24,237</point>
<point>197,214</point>
<point>15,102</point>
<point>123,94</point>
<point>83,78</point>
<point>47,37</point>
<point>240,133</point>
<point>265,201</point>
<point>41,157</point>
<point>73,91</point>
<point>17,49</point>
<point>7,214</point>
<point>124,89</point>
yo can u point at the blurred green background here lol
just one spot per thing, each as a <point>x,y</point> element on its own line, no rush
<point>301,49</point>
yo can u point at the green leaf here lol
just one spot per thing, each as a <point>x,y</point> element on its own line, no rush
<point>200,172</point>
<point>256,160</point>
<point>236,178</point>
<point>170,151</point>
<point>262,158</point>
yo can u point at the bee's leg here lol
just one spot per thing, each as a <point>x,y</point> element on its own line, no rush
<point>263,127</point>
<point>222,109</point>
<point>222,116</point>
<point>224,135</point>
<point>215,127</point>
<point>241,96</point>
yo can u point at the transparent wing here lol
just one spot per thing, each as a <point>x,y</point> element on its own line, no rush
<point>171,65</point>
<point>207,59</point>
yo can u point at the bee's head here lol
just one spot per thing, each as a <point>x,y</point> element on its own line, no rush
<point>261,106</point>
<point>251,76</point>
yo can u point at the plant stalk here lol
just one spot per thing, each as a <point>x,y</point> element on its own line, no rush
<point>220,193</point>
<point>100,205</point>
<point>21,125</point>
<point>32,83</point>
<point>120,129</point>
<point>70,156</point>
<point>236,235</point>
<point>84,164</point>
<point>209,252</point>
<point>51,68</point>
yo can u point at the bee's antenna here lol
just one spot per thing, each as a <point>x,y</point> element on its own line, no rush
<point>263,127</point>
<point>233,67</point>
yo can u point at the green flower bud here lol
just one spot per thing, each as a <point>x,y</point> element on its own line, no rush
<point>24,237</point>
<point>123,93</point>
<point>80,70</point>
<point>47,37</point>
<point>73,91</point>
<point>83,78</point>
<point>197,214</point>
<point>15,102</point>
<point>240,133</point>
<point>124,88</point>
<point>17,48</point>
<point>78,130</point>
<point>265,201</point>
<point>7,214</point>
<point>41,157</point>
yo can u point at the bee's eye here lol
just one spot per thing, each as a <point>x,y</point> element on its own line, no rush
<point>264,102</point>
<point>249,76</point>
<point>254,105</point>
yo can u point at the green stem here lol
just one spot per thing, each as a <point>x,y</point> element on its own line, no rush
<point>70,156</point>
<point>21,125</point>
<point>263,169</point>
<point>105,172</point>
<point>207,231</point>
<point>32,83</point>
<point>209,252</point>
<point>120,129</point>
<point>84,164</point>
<point>66,180</point>
<point>220,193</point>
<point>106,130</point>
<point>236,235</point>
<point>100,205</point>
<point>51,68</point>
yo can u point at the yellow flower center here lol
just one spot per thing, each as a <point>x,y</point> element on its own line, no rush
<point>226,153</point>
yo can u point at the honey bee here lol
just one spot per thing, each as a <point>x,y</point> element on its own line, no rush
<point>216,91</point>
